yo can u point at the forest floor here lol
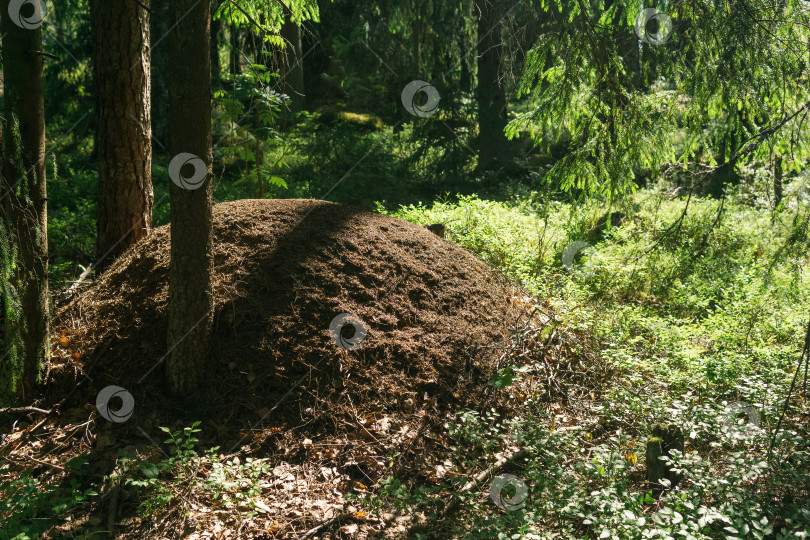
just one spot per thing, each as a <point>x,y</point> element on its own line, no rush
<point>294,413</point>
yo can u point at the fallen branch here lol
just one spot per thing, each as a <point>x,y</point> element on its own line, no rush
<point>58,406</point>
<point>82,277</point>
<point>35,460</point>
<point>483,475</point>
<point>322,525</point>
<point>17,410</point>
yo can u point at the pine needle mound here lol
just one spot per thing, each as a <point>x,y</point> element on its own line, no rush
<point>284,269</point>
<point>327,420</point>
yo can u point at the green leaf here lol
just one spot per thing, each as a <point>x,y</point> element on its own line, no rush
<point>502,378</point>
<point>149,470</point>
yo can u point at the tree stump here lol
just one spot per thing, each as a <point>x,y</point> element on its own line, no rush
<point>664,439</point>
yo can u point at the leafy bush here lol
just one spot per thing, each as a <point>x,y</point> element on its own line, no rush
<point>30,506</point>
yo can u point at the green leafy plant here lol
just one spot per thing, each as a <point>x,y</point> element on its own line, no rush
<point>208,476</point>
<point>30,506</point>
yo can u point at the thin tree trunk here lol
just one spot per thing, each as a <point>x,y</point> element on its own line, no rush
<point>254,46</point>
<point>124,138</point>
<point>236,51</point>
<point>416,39</point>
<point>724,173</point>
<point>216,32</point>
<point>492,143</point>
<point>190,292</point>
<point>159,52</point>
<point>258,152</point>
<point>292,65</point>
<point>5,277</point>
<point>778,191</point>
<point>24,205</point>
<point>259,163</point>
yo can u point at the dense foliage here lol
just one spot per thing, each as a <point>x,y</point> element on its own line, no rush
<point>695,321</point>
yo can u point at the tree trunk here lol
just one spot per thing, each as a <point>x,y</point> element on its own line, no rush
<point>190,294</point>
<point>159,51</point>
<point>724,173</point>
<point>254,45</point>
<point>24,206</point>
<point>778,191</point>
<point>216,31</point>
<point>124,139</point>
<point>258,151</point>
<point>236,51</point>
<point>416,39</point>
<point>5,278</point>
<point>292,82</point>
<point>493,146</point>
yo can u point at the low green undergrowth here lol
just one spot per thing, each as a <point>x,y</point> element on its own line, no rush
<point>574,487</point>
<point>185,473</point>
<point>701,310</point>
<point>29,506</point>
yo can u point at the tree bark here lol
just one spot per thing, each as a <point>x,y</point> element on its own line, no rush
<point>124,138</point>
<point>216,31</point>
<point>24,203</point>
<point>4,281</point>
<point>493,146</point>
<point>159,52</point>
<point>190,292</point>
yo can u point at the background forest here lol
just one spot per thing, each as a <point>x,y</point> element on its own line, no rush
<point>640,170</point>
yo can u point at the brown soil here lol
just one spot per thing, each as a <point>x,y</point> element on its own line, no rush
<point>278,386</point>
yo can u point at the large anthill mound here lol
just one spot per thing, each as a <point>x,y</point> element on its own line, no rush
<point>329,420</point>
<point>284,269</point>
